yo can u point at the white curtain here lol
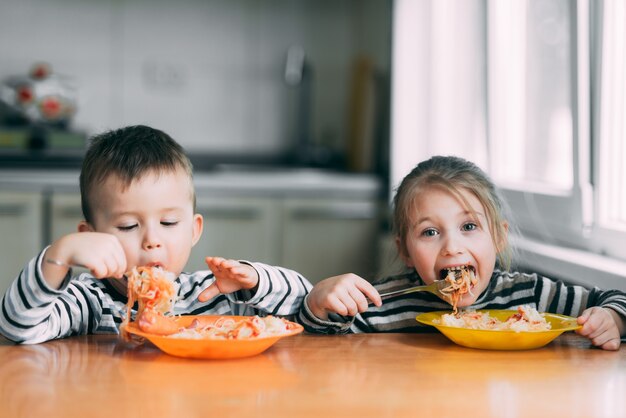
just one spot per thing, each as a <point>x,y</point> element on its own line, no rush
<point>439,82</point>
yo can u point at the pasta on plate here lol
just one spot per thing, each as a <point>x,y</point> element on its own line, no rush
<point>525,319</point>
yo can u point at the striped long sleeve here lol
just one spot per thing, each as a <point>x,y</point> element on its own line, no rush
<point>31,312</point>
<point>505,291</point>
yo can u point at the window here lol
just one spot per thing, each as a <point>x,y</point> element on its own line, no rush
<point>538,115</point>
<point>552,75</point>
<point>536,93</point>
<point>438,82</point>
<point>530,94</point>
<point>609,235</point>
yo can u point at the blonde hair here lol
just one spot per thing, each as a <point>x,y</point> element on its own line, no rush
<point>452,174</point>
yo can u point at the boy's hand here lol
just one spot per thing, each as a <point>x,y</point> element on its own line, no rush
<point>346,294</point>
<point>603,326</point>
<point>230,276</point>
<point>99,252</point>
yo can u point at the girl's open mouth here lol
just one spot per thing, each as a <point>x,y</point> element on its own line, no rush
<point>460,281</point>
<point>457,272</point>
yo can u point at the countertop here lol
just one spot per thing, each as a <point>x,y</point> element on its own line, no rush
<point>367,375</point>
<point>262,181</point>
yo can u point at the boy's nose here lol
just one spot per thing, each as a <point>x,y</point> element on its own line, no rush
<point>151,241</point>
<point>148,245</point>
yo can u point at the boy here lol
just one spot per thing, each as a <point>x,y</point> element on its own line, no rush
<point>138,202</point>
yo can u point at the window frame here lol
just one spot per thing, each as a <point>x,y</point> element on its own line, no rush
<point>603,239</point>
<point>555,216</point>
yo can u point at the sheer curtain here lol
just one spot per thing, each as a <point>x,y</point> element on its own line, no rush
<point>609,118</point>
<point>533,91</point>
<point>439,82</point>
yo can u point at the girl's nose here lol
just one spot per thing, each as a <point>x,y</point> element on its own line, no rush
<point>451,246</point>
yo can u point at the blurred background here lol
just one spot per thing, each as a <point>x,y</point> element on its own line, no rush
<point>282,105</point>
<point>275,80</point>
<point>301,117</point>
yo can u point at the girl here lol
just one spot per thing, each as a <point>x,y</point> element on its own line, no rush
<point>448,214</point>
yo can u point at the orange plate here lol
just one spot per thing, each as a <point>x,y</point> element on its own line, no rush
<point>209,348</point>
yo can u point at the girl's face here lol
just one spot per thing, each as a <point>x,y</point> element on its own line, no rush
<point>152,218</point>
<point>444,233</point>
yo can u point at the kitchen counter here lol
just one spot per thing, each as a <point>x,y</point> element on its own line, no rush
<point>371,375</point>
<point>251,181</point>
<point>338,213</point>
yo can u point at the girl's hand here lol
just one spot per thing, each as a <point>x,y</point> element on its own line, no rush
<point>99,252</point>
<point>603,326</point>
<point>230,276</point>
<point>345,295</point>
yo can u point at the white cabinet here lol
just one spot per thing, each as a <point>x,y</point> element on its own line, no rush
<point>65,214</point>
<point>236,227</point>
<point>319,238</point>
<point>326,237</point>
<point>21,229</point>
<point>319,224</point>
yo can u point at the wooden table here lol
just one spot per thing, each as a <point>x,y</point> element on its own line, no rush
<point>377,375</point>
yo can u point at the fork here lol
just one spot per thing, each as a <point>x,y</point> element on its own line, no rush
<point>63,264</point>
<point>434,288</point>
<point>73,265</point>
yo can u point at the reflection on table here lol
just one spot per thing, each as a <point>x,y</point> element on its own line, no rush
<point>382,375</point>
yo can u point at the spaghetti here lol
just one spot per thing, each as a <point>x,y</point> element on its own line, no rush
<point>237,329</point>
<point>525,319</point>
<point>460,281</point>
<point>155,292</point>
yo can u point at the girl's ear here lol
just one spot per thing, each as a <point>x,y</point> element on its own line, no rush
<point>84,226</point>
<point>504,238</point>
<point>402,253</point>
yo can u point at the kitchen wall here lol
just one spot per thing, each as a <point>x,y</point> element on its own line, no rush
<point>211,73</point>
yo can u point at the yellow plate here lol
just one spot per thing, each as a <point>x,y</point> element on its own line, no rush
<point>209,348</point>
<point>501,340</point>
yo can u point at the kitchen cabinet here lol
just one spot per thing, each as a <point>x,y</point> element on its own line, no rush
<point>240,228</point>
<point>21,232</point>
<point>319,238</point>
<point>326,237</point>
<point>319,224</point>
<point>65,214</point>
<point>236,227</point>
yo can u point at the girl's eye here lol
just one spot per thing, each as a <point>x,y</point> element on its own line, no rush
<point>430,232</point>
<point>169,223</point>
<point>127,227</point>
<point>470,226</point>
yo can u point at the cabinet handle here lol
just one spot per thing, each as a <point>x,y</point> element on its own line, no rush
<point>333,213</point>
<point>70,212</point>
<point>232,213</point>
<point>13,210</point>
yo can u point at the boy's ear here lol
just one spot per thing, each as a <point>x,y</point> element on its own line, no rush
<point>403,256</point>
<point>84,226</point>
<point>198,225</point>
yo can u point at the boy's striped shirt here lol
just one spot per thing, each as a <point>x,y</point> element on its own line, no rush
<point>31,312</point>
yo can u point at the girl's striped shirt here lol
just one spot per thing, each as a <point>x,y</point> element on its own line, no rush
<point>506,290</point>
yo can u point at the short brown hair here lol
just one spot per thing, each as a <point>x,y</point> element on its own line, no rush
<point>129,153</point>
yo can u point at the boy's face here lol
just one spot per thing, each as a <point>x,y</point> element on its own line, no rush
<point>152,218</point>
<point>444,233</point>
